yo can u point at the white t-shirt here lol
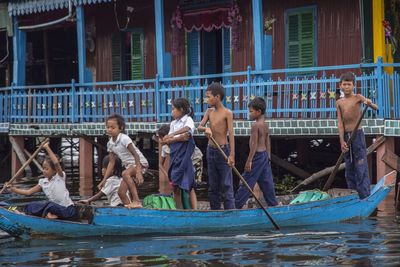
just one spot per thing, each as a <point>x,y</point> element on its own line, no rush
<point>120,148</point>
<point>110,189</point>
<point>196,156</point>
<point>55,190</point>
<point>185,121</point>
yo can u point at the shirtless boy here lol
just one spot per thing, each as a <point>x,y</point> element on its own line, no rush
<point>348,112</point>
<point>257,168</point>
<point>219,171</point>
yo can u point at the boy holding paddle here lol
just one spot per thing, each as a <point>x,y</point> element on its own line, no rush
<point>355,157</point>
<point>219,170</point>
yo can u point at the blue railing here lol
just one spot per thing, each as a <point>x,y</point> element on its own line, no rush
<point>287,93</point>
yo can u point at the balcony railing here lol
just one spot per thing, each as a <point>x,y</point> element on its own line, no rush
<point>287,94</point>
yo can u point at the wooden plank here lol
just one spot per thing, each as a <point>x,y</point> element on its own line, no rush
<point>289,167</point>
<point>34,160</point>
<point>392,160</point>
<point>328,170</point>
<point>19,152</point>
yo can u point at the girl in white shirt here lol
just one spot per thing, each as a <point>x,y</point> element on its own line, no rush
<point>120,145</point>
<point>60,205</point>
<point>181,170</point>
<point>110,189</point>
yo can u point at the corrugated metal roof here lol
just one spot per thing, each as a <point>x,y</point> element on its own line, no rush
<point>23,7</point>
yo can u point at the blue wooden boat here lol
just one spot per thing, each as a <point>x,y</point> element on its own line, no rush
<point>121,221</point>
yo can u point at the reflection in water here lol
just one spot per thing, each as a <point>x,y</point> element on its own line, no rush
<point>372,242</point>
<point>363,243</point>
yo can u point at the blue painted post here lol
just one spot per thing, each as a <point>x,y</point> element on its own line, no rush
<point>19,48</point>
<point>248,91</point>
<point>159,15</point>
<point>258,33</point>
<point>80,30</point>
<point>12,102</point>
<point>73,102</point>
<point>158,102</point>
<point>380,94</point>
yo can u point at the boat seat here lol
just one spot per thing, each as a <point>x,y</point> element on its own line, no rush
<point>340,192</point>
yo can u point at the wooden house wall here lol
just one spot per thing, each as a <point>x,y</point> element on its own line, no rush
<point>338,30</point>
<point>142,17</point>
<point>245,55</point>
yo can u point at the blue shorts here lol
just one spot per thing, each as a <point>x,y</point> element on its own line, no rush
<point>355,159</point>
<point>220,186</point>
<point>260,173</point>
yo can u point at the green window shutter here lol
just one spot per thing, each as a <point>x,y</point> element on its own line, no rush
<point>136,56</point>
<point>301,39</point>
<point>116,52</point>
<point>307,40</point>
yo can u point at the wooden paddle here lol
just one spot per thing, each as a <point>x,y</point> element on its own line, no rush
<point>25,164</point>
<point>245,183</point>
<point>340,159</point>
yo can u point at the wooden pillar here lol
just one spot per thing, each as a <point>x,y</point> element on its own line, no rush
<point>160,40</point>
<point>302,148</point>
<point>258,31</point>
<point>381,167</point>
<point>15,162</point>
<point>85,167</point>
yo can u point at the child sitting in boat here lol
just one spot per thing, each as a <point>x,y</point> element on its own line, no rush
<point>257,168</point>
<point>60,205</point>
<point>197,160</point>
<point>181,171</point>
<point>132,159</point>
<point>110,188</point>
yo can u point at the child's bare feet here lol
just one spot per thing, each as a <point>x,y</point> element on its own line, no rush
<point>134,205</point>
<point>51,216</point>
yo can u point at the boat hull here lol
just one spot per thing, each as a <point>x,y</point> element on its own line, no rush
<point>122,221</point>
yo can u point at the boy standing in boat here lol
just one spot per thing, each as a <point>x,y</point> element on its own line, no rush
<point>348,113</point>
<point>219,171</point>
<point>257,168</point>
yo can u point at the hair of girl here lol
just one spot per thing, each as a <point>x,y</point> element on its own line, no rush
<point>119,119</point>
<point>117,166</point>
<point>163,131</point>
<point>51,163</point>
<point>184,105</point>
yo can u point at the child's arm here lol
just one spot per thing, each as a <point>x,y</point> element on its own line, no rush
<point>161,166</point>
<point>343,144</point>
<point>139,175</point>
<point>202,128</point>
<point>109,170</point>
<point>93,198</point>
<point>368,102</point>
<point>180,138</point>
<point>26,192</point>
<point>267,141</point>
<point>229,121</point>
<point>54,159</point>
<point>253,146</point>
<point>180,131</point>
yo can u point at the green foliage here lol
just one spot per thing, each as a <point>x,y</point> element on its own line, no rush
<point>285,184</point>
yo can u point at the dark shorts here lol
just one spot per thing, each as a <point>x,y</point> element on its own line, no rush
<point>356,172</point>
<point>219,179</point>
<point>42,208</point>
<point>260,173</point>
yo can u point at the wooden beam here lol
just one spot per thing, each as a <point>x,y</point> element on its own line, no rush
<point>20,153</point>
<point>328,170</point>
<point>392,160</point>
<point>34,160</point>
<point>289,167</point>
